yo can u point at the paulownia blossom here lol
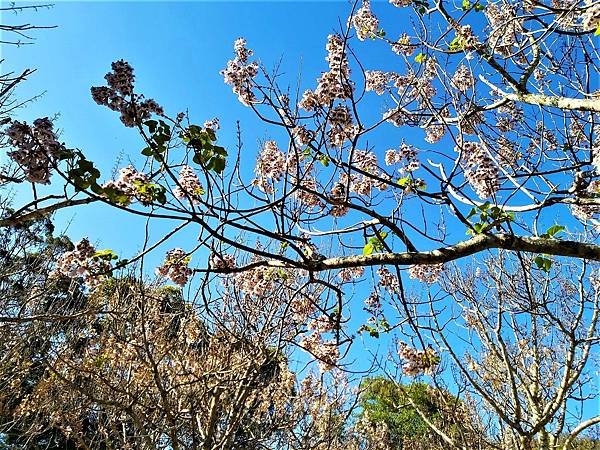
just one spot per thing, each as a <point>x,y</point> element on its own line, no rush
<point>36,148</point>
<point>417,362</point>
<point>175,267</point>
<point>84,262</point>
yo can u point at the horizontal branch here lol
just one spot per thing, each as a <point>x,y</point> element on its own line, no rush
<point>40,213</point>
<point>472,246</point>
<point>568,103</point>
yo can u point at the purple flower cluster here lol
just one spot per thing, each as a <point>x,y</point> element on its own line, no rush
<point>417,361</point>
<point>189,186</point>
<point>119,96</point>
<point>83,262</point>
<point>36,148</point>
<point>175,267</point>
<point>240,73</point>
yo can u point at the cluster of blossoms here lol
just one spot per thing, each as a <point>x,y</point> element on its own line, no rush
<point>417,361</point>
<point>270,167</point>
<point>240,73</point>
<point>387,280</point>
<point>506,27</point>
<point>338,197</point>
<point>508,117</point>
<point>175,267</point>
<point>406,153</point>
<point>302,135</point>
<point>394,116</point>
<point>85,263</point>
<point>351,273</point>
<point>322,324</point>
<point>129,185</point>
<point>376,81</point>
<point>591,17</point>
<point>341,126</point>
<point>427,273</point>
<point>480,172</point>
<point>305,194</point>
<point>403,46</point>
<point>366,162</point>
<point>189,186</point>
<point>506,152</point>
<point>256,282</point>
<point>119,96</point>
<point>463,79</point>
<point>221,262</point>
<point>401,3</point>
<point>434,133</point>
<point>36,148</point>
<point>587,212</point>
<point>213,124</point>
<point>333,84</point>
<point>373,304</point>
<point>326,352</point>
<point>364,21</point>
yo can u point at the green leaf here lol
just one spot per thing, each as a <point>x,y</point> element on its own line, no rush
<point>597,32</point>
<point>466,5</point>
<point>151,124</point>
<point>218,164</point>
<point>543,263</point>
<point>552,231</point>
<point>479,227</point>
<point>368,249</point>
<point>404,181</point>
<point>479,7</point>
<point>147,151</point>
<point>106,254</point>
<point>420,58</point>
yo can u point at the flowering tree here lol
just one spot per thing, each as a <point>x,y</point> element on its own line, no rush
<point>479,134</point>
<point>521,344</point>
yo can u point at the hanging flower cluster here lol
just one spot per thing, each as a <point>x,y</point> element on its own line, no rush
<point>326,352</point>
<point>85,262</point>
<point>505,27</point>
<point>587,212</point>
<point>175,267</point>
<point>240,73</point>
<point>189,186</point>
<point>463,79</point>
<point>427,273</point>
<point>406,153</point>
<point>36,148</point>
<point>130,186</point>
<point>364,21</point>
<point>387,280</point>
<point>119,96</point>
<point>376,81</point>
<point>333,84</point>
<point>403,46</point>
<point>341,126</point>
<point>401,3</point>
<point>366,162</point>
<point>591,17</point>
<point>418,361</point>
<point>270,167</point>
<point>480,172</point>
<point>350,273</point>
<point>221,262</point>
